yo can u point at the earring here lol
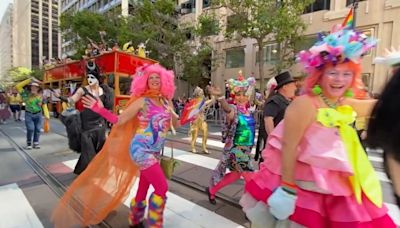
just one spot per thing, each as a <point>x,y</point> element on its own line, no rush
<point>316,90</point>
<point>349,93</point>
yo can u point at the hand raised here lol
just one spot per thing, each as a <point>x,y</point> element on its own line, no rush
<point>89,102</point>
<point>215,91</point>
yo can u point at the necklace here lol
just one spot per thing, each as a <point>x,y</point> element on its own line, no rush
<point>329,103</point>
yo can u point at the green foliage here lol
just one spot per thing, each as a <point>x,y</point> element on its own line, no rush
<point>38,73</point>
<point>16,74</point>
<point>208,25</point>
<point>266,21</point>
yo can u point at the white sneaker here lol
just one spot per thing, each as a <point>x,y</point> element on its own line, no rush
<point>29,147</point>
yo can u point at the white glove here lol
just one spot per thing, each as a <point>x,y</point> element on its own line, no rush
<point>281,204</point>
<point>391,57</point>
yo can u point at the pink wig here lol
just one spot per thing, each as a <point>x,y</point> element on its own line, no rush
<point>314,77</point>
<point>139,84</point>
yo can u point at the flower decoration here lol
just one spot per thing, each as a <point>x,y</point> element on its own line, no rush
<point>341,45</point>
<point>241,84</point>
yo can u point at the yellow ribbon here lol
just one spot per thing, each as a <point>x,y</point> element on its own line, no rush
<point>364,178</point>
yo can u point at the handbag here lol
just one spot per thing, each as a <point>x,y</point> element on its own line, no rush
<point>168,164</point>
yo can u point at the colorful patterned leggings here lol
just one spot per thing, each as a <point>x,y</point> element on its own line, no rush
<point>154,176</point>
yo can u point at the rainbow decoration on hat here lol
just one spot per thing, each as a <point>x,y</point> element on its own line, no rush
<point>191,110</point>
<point>341,45</point>
<point>348,21</point>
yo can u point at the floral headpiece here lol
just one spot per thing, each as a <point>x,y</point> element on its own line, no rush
<point>241,84</point>
<point>341,45</point>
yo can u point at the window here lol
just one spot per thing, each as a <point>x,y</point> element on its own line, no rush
<point>206,3</point>
<point>187,7</point>
<point>271,54</point>
<point>305,43</point>
<point>366,79</point>
<point>234,58</point>
<point>318,5</point>
<point>349,2</point>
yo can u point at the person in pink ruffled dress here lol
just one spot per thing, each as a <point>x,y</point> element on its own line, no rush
<point>315,172</point>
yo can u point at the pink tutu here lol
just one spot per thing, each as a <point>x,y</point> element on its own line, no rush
<point>322,162</point>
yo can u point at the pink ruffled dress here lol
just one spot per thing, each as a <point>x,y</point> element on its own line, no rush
<point>325,195</point>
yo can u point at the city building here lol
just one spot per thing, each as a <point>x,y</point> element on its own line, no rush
<point>6,54</point>
<point>378,18</point>
<point>35,35</point>
<point>100,6</point>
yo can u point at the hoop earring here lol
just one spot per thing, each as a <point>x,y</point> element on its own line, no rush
<point>349,93</point>
<point>316,90</point>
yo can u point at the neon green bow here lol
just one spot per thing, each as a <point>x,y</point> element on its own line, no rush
<point>364,178</point>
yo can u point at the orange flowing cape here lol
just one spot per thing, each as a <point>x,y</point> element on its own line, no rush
<point>105,183</point>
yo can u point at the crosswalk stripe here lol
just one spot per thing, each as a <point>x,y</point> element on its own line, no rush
<point>181,213</point>
<point>375,158</point>
<point>215,143</point>
<point>15,210</point>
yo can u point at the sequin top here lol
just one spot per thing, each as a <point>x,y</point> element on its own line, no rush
<point>154,123</point>
<point>245,130</point>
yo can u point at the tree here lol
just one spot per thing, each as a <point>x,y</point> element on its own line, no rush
<point>266,21</point>
<point>156,22</point>
<point>15,74</point>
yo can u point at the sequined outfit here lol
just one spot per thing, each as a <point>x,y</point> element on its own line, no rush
<point>150,136</point>
<point>239,139</point>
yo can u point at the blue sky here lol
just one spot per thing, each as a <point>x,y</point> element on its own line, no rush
<point>3,6</point>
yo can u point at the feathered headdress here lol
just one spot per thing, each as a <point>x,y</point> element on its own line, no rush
<point>242,84</point>
<point>341,45</point>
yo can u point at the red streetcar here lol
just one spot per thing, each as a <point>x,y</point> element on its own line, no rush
<point>116,66</point>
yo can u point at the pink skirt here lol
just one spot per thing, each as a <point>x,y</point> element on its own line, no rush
<point>317,210</point>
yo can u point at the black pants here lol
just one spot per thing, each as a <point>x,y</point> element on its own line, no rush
<point>91,143</point>
<point>261,142</point>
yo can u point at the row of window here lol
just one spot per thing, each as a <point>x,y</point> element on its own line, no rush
<point>189,6</point>
<point>235,57</point>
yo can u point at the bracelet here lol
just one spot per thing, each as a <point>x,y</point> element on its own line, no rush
<point>288,185</point>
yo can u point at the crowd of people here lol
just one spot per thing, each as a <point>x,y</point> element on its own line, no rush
<point>310,173</point>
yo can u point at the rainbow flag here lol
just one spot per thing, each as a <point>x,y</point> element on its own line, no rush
<point>191,110</point>
<point>348,22</point>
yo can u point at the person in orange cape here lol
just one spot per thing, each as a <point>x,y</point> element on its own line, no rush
<point>133,147</point>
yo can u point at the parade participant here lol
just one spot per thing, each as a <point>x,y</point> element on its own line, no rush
<point>4,113</point>
<point>315,172</point>
<point>134,144</point>
<point>93,134</point>
<point>200,122</point>
<point>238,135</point>
<point>34,106</point>
<point>15,101</point>
<point>383,127</point>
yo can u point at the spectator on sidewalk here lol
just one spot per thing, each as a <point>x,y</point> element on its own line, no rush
<point>15,100</point>
<point>275,106</point>
<point>55,101</point>
<point>34,106</point>
<point>262,134</point>
<point>4,113</point>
